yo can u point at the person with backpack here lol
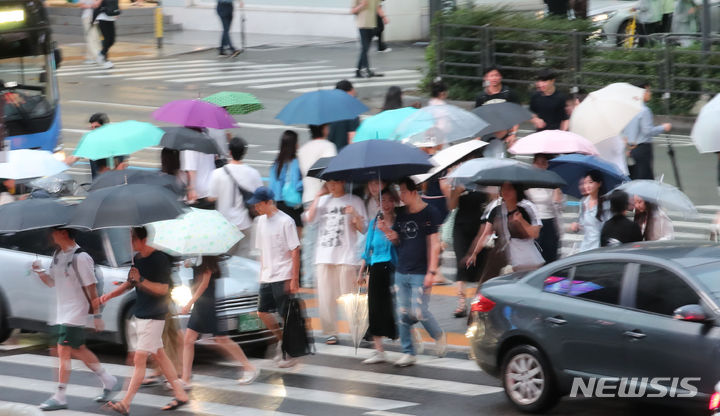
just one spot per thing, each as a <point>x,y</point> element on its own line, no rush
<point>279,247</point>
<point>286,179</point>
<point>105,14</point>
<point>230,188</point>
<point>72,274</point>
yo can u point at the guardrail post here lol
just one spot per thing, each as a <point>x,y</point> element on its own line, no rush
<point>576,56</point>
<point>159,24</point>
<point>489,46</point>
<point>439,45</point>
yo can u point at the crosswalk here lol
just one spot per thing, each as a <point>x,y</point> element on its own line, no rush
<point>331,382</point>
<point>292,77</point>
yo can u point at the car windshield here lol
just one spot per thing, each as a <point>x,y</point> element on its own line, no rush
<point>709,276</point>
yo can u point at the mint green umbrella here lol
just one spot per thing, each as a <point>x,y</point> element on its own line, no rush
<point>382,125</point>
<point>118,139</point>
<point>198,232</point>
<point>235,102</point>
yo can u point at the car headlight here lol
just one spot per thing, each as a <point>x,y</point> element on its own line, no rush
<point>181,295</point>
<point>602,17</point>
<point>60,155</point>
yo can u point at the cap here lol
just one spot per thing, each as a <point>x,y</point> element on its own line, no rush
<point>261,194</point>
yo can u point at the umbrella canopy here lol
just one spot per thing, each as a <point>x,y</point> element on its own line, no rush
<point>320,107</point>
<point>502,116</point>
<point>134,176</point>
<point>318,167</point>
<point>126,206</point>
<point>183,138</point>
<point>572,168</point>
<point>55,184</point>
<point>118,139</point>
<point>449,156</point>
<point>553,142</point>
<point>194,113</point>
<point>382,125</point>
<point>236,102</point>
<point>374,159</point>
<point>26,164</point>
<point>464,174</point>
<point>439,124</point>
<point>606,112</point>
<point>33,214</point>
<point>356,310</point>
<point>516,172</point>
<point>661,194</point>
<point>706,130</point>
<point>197,232</point>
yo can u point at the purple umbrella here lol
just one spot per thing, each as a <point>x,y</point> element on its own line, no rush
<point>194,113</point>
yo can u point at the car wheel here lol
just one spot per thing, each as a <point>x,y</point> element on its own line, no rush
<point>5,329</point>
<point>528,380</point>
<point>626,36</point>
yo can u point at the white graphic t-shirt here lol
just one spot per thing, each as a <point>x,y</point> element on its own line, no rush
<point>337,238</point>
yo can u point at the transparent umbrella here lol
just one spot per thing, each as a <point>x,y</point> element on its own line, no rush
<point>667,197</point>
<point>439,124</point>
<point>355,306</point>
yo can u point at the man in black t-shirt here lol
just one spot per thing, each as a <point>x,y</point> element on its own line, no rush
<point>548,104</point>
<point>619,229</point>
<point>150,277</point>
<point>494,91</point>
<point>342,132</point>
<point>416,237</point>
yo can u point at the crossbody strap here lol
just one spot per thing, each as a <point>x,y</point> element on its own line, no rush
<point>244,192</point>
<point>77,276</point>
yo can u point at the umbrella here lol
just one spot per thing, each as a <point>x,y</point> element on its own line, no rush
<point>606,112</point>
<point>26,164</point>
<point>194,113</point>
<point>318,167</point>
<point>118,139</point>
<point>661,194</point>
<point>465,172</point>
<point>706,130</point>
<point>126,206</point>
<point>198,232</point>
<point>355,306</point>
<point>375,159</point>
<point>32,214</point>
<point>183,138</point>
<point>517,173</point>
<point>382,125</point>
<point>502,116</point>
<point>235,102</point>
<point>55,184</point>
<point>134,176</point>
<point>439,124</point>
<point>449,156</point>
<point>553,142</point>
<point>572,168</point>
<point>320,107</point>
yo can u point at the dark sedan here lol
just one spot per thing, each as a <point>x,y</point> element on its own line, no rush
<point>638,320</point>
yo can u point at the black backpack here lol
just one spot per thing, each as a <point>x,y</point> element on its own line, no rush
<point>296,342</point>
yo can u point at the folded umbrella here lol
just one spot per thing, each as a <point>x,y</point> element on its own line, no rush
<point>356,310</point>
<point>198,232</point>
<point>605,113</point>
<point>502,116</point>
<point>318,167</point>
<point>235,102</point>
<point>382,125</point>
<point>376,159</point>
<point>118,139</point>
<point>553,142</point>
<point>194,113</point>
<point>135,176</point>
<point>449,156</point>
<point>706,130</point>
<point>26,164</point>
<point>320,107</point>
<point>439,124</point>
<point>33,214</point>
<point>183,138</point>
<point>496,173</point>
<point>661,194</point>
<point>574,167</point>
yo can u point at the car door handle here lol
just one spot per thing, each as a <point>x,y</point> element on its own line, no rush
<point>555,320</point>
<point>634,334</point>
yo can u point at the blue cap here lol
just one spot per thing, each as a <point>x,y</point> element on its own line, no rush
<point>262,194</point>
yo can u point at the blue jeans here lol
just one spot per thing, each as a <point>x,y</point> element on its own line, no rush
<point>412,307</point>
<point>225,11</point>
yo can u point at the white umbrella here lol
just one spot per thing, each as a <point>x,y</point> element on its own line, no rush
<point>706,130</point>
<point>448,156</point>
<point>606,112</point>
<point>439,124</point>
<point>355,306</point>
<point>667,197</point>
<point>199,232</point>
<point>26,164</point>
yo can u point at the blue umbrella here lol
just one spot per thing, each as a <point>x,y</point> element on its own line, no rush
<point>320,107</point>
<point>574,167</point>
<point>377,159</point>
<point>382,125</point>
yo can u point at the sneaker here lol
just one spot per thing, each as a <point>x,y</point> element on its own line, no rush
<point>52,404</point>
<point>361,73</point>
<point>386,50</point>
<point>108,394</point>
<point>405,361</point>
<point>108,65</point>
<point>375,358</point>
<point>249,376</point>
<point>291,362</point>
<point>100,59</point>
<point>89,61</point>
<point>331,340</point>
<point>441,345</point>
<point>372,74</point>
<point>418,341</point>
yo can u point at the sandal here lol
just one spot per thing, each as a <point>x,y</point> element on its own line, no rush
<point>175,404</point>
<point>461,310</point>
<point>151,381</point>
<point>118,407</point>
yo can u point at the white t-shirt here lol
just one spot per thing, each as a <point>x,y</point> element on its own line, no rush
<point>203,164</point>
<point>337,238</point>
<point>275,237</point>
<point>230,201</point>
<point>542,198</point>
<point>307,155</point>
<point>72,306</point>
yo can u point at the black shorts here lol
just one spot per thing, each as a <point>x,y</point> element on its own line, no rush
<point>273,298</point>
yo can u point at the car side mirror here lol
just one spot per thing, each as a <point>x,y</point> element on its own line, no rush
<point>691,313</point>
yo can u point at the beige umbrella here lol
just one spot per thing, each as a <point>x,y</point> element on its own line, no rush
<point>606,112</point>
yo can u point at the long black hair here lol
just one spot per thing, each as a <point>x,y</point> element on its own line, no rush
<point>169,161</point>
<point>288,150</point>
<point>393,99</point>
<point>597,176</point>
<point>648,217</point>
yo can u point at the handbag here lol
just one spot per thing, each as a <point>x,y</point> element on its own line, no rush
<point>522,252</point>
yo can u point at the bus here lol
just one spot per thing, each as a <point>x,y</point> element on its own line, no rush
<point>29,94</point>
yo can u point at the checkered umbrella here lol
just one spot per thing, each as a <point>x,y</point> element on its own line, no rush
<point>198,232</point>
<point>236,102</point>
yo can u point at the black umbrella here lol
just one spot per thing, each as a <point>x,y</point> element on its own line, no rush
<point>377,159</point>
<point>136,176</point>
<point>126,206</point>
<point>517,172</point>
<point>502,116</point>
<point>318,167</point>
<point>183,138</point>
<point>33,214</point>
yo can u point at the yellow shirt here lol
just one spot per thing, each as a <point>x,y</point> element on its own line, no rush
<point>367,17</point>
